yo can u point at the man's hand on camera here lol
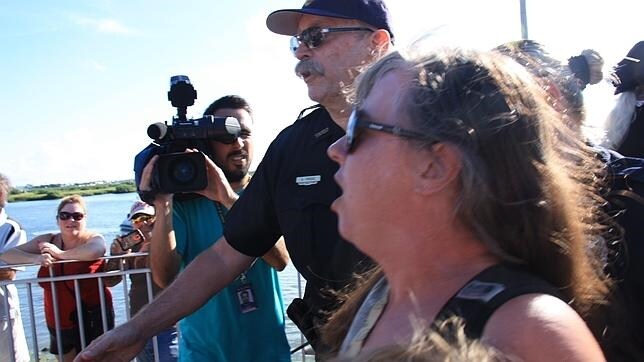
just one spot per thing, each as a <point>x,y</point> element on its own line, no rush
<point>146,180</point>
<point>218,188</point>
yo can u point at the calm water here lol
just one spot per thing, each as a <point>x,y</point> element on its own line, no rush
<point>105,214</point>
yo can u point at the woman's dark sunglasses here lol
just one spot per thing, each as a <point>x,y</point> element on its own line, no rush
<point>314,36</point>
<point>356,125</point>
<point>77,216</point>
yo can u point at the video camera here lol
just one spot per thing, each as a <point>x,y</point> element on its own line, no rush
<point>178,171</point>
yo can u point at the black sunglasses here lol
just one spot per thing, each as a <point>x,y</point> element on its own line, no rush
<point>314,36</point>
<point>356,125</point>
<point>77,216</point>
<point>229,139</point>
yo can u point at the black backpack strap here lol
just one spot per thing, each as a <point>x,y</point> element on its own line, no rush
<point>486,292</point>
<point>627,194</point>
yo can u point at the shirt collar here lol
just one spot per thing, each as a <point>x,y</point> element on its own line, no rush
<point>3,216</point>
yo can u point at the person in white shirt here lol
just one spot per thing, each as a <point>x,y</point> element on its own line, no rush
<point>12,334</point>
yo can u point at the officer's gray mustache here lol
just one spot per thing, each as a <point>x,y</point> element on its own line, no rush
<point>308,67</point>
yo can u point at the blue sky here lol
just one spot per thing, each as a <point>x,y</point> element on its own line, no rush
<point>82,79</point>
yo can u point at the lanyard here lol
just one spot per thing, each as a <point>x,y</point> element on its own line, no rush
<point>222,218</point>
<point>221,213</point>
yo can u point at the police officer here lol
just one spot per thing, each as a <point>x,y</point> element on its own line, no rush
<point>292,189</point>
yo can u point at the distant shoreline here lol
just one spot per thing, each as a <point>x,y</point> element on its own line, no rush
<point>53,192</point>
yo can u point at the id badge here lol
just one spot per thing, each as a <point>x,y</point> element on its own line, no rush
<point>246,298</point>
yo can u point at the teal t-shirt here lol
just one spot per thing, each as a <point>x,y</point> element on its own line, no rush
<point>219,331</point>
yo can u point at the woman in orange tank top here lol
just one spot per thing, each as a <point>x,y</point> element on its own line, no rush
<point>73,242</point>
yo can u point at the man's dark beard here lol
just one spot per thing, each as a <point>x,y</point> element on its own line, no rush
<point>235,175</point>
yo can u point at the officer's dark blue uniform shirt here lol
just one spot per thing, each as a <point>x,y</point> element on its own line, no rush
<point>291,194</point>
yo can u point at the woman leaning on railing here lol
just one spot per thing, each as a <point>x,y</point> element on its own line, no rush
<point>73,242</point>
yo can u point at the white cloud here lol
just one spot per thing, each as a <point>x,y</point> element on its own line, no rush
<point>98,66</point>
<point>111,26</point>
<point>105,25</point>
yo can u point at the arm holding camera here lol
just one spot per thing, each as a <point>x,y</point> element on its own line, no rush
<point>122,245</point>
<point>218,188</point>
<point>114,264</point>
<point>165,261</point>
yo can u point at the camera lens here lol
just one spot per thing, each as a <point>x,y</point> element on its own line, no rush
<point>181,172</point>
<point>184,170</point>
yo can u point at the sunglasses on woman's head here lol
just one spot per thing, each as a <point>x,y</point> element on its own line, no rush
<point>314,36</point>
<point>77,216</point>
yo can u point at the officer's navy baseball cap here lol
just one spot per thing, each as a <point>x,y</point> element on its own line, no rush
<point>371,12</point>
<point>629,72</point>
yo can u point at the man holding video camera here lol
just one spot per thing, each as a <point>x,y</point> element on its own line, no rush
<point>227,327</point>
<point>293,188</point>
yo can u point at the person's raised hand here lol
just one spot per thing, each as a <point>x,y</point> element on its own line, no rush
<point>218,188</point>
<point>146,179</point>
<point>115,248</point>
<point>45,260</point>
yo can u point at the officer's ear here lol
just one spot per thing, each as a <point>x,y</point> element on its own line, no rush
<point>380,41</point>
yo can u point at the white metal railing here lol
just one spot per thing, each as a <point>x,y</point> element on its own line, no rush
<point>33,314</point>
<point>36,315</point>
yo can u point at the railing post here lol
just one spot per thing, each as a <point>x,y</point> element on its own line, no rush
<point>155,341</point>
<point>54,297</point>
<point>101,294</point>
<point>7,312</point>
<point>125,288</point>
<point>32,319</point>
<point>79,313</point>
